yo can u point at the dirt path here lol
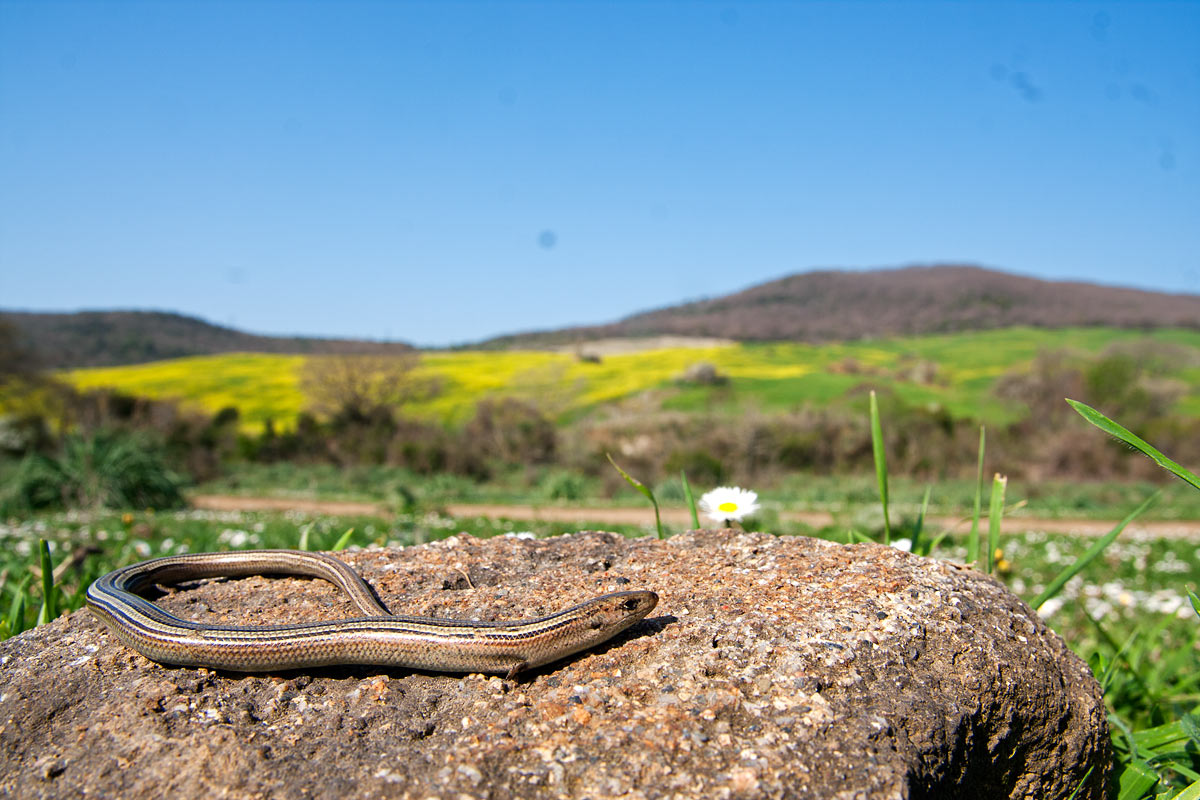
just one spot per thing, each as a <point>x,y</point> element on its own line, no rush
<point>677,516</point>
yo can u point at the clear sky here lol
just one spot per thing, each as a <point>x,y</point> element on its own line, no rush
<point>442,172</point>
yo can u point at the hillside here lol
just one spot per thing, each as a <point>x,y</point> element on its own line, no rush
<point>956,372</point>
<point>835,305</point>
<point>806,307</point>
<point>110,338</point>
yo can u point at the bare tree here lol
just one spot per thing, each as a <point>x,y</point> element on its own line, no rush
<point>355,387</point>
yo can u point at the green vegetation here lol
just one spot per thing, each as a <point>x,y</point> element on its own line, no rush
<point>101,469</point>
<point>955,372</point>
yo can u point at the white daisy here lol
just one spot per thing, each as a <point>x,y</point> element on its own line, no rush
<point>728,503</point>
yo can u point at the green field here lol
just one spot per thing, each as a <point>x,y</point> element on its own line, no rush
<point>955,372</point>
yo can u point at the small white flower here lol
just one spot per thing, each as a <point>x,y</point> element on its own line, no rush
<point>728,503</point>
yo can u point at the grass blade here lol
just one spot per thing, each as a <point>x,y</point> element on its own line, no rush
<point>1136,781</point>
<point>303,543</point>
<point>1163,736</point>
<point>1192,792</point>
<point>973,539</point>
<point>1190,723</point>
<point>49,610</point>
<point>16,612</point>
<point>641,487</point>
<point>1133,440</point>
<point>343,540</point>
<point>880,466</point>
<point>858,537</point>
<point>1082,782</point>
<point>995,513</point>
<point>1096,549</point>
<point>691,501</point>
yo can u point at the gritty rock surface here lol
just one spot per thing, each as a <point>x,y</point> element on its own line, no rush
<point>772,667</point>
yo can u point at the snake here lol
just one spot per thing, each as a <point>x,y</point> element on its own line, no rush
<point>378,638</point>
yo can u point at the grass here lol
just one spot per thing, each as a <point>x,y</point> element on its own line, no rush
<point>765,377</point>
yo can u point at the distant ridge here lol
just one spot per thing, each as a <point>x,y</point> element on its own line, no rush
<point>846,305</point>
<point>111,338</point>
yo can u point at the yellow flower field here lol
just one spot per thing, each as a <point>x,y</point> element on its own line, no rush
<point>768,376</point>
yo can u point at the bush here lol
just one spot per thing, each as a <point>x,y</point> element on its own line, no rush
<point>106,468</point>
<point>563,485</point>
<point>512,432</point>
<point>701,466</point>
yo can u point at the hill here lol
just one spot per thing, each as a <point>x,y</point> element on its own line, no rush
<point>912,301</point>
<point>109,338</point>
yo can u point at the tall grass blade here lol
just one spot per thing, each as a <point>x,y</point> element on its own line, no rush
<point>16,612</point>
<point>343,540</point>
<point>303,543</point>
<point>1162,737</point>
<point>49,610</point>
<point>995,513</point>
<point>1133,440</point>
<point>1079,786</point>
<point>973,539</point>
<point>691,500</point>
<point>1060,580</point>
<point>641,487</point>
<point>880,466</point>
<point>1195,601</point>
<point>1136,781</point>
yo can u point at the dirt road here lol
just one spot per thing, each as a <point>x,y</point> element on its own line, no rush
<point>678,517</point>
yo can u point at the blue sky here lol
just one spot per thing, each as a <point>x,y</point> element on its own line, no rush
<point>443,172</point>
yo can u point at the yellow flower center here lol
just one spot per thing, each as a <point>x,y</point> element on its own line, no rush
<point>727,506</point>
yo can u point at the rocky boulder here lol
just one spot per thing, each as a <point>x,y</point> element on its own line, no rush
<point>772,667</point>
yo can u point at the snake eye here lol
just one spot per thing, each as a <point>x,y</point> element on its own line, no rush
<point>631,604</point>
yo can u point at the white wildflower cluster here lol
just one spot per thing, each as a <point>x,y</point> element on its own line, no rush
<point>436,521</point>
<point>236,537</point>
<point>1114,599</point>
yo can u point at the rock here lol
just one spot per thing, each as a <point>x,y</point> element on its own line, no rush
<point>703,373</point>
<point>773,667</point>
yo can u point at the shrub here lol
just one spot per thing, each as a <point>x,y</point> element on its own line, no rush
<point>102,469</point>
<point>563,485</point>
<point>511,431</point>
<point>701,466</point>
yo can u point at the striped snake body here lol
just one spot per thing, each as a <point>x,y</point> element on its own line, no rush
<point>378,638</point>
